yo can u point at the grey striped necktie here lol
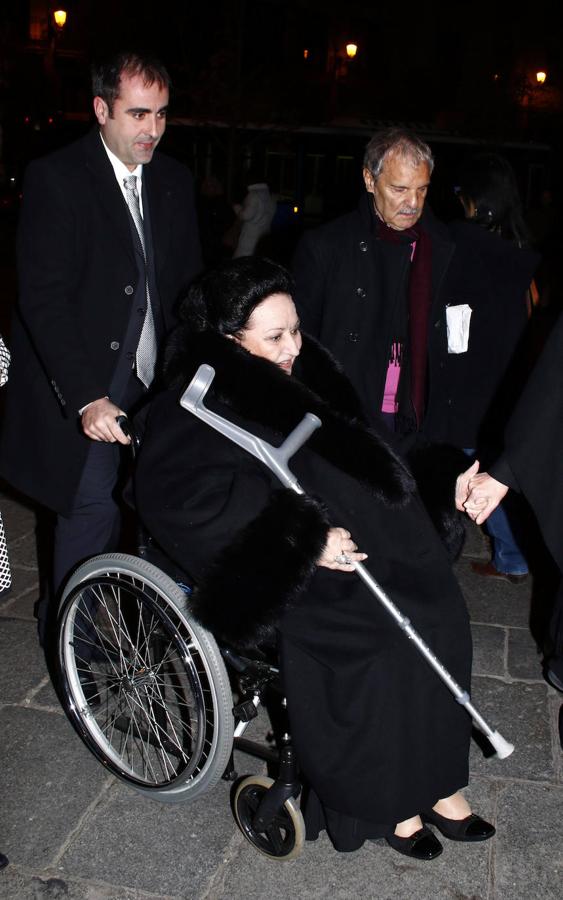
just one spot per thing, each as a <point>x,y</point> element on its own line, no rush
<point>145,356</point>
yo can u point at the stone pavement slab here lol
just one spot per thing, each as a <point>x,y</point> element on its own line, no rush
<point>20,600</point>
<point>494,602</point>
<point>164,848</point>
<point>520,712</point>
<point>524,658</point>
<point>23,552</point>
<point>529,847</point>
<point>489,650</point>
<point>23,662</point>
<point>47,783</point>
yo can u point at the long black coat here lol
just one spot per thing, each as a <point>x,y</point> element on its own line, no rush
<point>347,302</point>
<point>77,276</point>
<point>378,736</point>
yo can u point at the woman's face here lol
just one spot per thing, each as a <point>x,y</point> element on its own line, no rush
<point>273,332</point>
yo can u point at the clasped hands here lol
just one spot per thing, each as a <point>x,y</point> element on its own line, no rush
<point>478,493</point>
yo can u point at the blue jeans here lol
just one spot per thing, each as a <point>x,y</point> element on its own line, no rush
<point>507,555</point>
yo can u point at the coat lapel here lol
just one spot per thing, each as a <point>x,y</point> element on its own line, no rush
<point>106,191</point>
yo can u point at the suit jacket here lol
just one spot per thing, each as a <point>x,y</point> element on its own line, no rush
<point>346,297</point>
<point>78,277</point>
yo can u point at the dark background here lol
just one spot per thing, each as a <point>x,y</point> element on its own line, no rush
<point>268,84</point>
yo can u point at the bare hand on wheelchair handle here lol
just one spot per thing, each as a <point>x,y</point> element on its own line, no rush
<point>340,551</point>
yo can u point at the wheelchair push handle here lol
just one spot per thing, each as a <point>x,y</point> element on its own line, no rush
<point>277,459</point>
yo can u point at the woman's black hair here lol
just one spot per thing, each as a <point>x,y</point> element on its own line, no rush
<point>488,180</point>
<point>223,298</point>
<point>221,301</point>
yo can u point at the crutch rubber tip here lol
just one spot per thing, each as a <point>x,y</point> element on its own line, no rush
<point>503,748</point>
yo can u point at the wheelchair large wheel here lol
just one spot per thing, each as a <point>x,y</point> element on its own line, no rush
<point>284,838</point>
<point>142,683</point>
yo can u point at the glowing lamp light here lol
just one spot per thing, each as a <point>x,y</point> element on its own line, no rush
<point>305,53</point>
<point>60,16</point>
<point>351,50</point>
<point>295,209</point>
<point>540,77</point>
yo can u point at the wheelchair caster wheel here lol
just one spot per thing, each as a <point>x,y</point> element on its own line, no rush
<point>285,837</point>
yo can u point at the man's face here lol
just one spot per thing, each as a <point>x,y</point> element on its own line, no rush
<point>137,122</point>
<point>400,191</point>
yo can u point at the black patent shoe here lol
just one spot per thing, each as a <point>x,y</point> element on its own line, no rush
<point>472,828</point>
<point>423,844</point>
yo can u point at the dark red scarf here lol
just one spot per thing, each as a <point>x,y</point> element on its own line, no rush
<point>419,293</point>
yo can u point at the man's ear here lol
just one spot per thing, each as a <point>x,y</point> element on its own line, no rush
<point>369,180</point>
<point>101,110</point>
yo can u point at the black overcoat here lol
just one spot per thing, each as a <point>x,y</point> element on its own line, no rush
<point>77,280</point>
<point>472,393</point>
<point>346,298</point>
<point>378,736</point>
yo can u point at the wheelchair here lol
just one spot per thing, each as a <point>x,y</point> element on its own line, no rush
<point>150,693</point>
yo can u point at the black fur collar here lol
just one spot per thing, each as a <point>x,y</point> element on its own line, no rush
<point>259,391</point>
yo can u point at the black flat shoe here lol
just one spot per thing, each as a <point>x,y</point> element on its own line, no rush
<point>472,828</point>
<point>423,844</point>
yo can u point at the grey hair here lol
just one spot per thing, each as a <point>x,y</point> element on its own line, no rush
<point>398,141</point>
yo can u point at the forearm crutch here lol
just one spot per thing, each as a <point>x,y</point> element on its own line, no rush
<point>277,458</point>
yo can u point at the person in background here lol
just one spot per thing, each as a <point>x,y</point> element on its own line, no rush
<point>373,285</point>
<point>255,214</point>
<point>482,376</point>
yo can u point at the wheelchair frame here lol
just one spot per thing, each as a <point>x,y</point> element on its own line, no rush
<point>148,691</point>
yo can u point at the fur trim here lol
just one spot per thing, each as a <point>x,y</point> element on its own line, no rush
<point>261,573</point>
<point>435,468</point>
<point>262,393</point>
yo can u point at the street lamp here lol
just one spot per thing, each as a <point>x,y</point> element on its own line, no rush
<point>351,50</point>
<point>540,77</point>
<point>60,17</point>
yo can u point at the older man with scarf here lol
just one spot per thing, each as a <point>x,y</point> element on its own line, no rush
<point>373,286</point>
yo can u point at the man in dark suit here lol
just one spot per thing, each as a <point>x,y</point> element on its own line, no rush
<point>102,257</point>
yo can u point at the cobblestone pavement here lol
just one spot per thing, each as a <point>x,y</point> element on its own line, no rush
<point>73,831</point>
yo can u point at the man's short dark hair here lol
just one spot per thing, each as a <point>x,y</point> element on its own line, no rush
<point>398,141</point>
<point>107,74</point>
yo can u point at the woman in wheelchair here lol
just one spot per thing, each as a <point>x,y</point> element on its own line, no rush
<point>382,746</point>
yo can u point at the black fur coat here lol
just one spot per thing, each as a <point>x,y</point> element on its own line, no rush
<point>248,544</point>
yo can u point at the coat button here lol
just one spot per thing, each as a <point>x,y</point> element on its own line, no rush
<point>129,290</point>
<point>363,247</point>
<point>114,345</point>
<point>360,293</point>
<point>353,337</point>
